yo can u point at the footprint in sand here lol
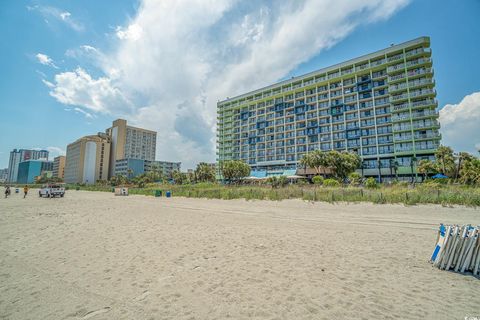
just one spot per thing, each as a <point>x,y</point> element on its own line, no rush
<point>142,296</point>
<point>95,312</point>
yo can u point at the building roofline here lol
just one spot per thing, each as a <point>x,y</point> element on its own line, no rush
<point>142,129</point>
<point>419,40</point>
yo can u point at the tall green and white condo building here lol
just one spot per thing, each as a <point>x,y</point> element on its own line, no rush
<point>381,105</point>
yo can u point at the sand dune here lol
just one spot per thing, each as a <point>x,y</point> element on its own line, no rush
<point>96,256</point>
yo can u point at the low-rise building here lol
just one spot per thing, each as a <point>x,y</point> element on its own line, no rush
<point>87,159</point>
<point>165,167</point>
<point>59,167</point>
<point>30,169</point>
<point>134,167</point>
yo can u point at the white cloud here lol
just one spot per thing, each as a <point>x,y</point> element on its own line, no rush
<point>79,89</point>
<point>45,60</point>
<point>176,59</point>
<point>58,14</point>
<point>48,83</point>
<point>459,124</point>
<point>132,32</point>
<point>81,111</point>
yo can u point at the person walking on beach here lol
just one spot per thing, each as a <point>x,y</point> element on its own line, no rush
<point>25,191</point>
<point>7,191</point>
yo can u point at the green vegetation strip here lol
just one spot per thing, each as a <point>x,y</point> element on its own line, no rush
<point>421,194</point>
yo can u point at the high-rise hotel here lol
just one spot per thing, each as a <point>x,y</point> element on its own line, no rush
<point>381,105</point>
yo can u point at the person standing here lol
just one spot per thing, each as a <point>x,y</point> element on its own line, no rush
<point>25,191</point>
<point>7,191</point>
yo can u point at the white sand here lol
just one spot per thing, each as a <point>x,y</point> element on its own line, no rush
<point>97,256</point>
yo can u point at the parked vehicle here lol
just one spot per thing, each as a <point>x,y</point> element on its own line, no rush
<point>52,190</point>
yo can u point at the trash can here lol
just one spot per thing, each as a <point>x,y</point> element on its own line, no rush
<point>168,194</point>
<point>113,189</point>
<point>158,193</point>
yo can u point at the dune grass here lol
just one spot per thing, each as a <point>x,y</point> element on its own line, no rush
<point>421,194</point>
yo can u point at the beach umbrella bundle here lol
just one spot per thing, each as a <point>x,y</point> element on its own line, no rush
<point>458,249</point>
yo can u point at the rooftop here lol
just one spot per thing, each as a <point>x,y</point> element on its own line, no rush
<point>390,49</point>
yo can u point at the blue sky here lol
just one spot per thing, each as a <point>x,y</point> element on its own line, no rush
<point>71,67</point>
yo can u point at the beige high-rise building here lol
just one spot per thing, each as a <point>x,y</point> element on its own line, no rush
<point>130,143</point>
<point>59,167</point>
<point>87,159</point>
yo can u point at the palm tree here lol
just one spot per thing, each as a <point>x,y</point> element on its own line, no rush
<point>446,160</point>
<point>425,167</point>
<point>391,167</point>
<point>462,157</point>
<point>413,160</point>
<point>379,170</point>
<point>395,168</point>
<point>204,173</point>
<point>306,161</point>
<point>470,171</point>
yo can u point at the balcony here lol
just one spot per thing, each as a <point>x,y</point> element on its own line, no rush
<point>426,102</point>
<point>423,92</point>
<point>400,117</point>
<point>429,146</point>
<point>432,136</point>
<point>396,58</point>
<point>407,137</point>
<point>399,97</point>
<point>400,66</point>
<point>424,113</point>
<point>398,128</point>
<point>429,124</point>
<point>418,62</point>
<point>417,51</point>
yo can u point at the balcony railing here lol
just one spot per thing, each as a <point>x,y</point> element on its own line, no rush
<point>427,136</point>
<point>403,137</point>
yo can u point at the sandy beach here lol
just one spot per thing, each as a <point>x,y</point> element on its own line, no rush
<point>92,255</point>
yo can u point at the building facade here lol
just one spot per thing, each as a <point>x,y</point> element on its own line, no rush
<point>29,170</point>
<point>130,143</point>
<point>59,167</point>
<point>87,159</point>
<point>3,175</point>
<point>134,167</point>
<point>381,106</point>
<point>165,167</point>
<point>20,155</point>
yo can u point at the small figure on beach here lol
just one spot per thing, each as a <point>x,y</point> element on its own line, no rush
<point>7,191</point>
<point>25,191</point>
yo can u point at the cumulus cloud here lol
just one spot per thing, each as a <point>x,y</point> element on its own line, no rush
<point>45,60</point>
<point>175,59</point>
<point>63,16</point>
<point>78,88</point>
<point>132,32</point>
<point>459,124</point>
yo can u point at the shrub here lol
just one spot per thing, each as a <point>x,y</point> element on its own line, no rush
<point>331,183</point>
<point>318,180</point>
<point>282,181</point>
<point>277,182</point>
<point>371,183</point>
<point>354,178</point>
<point>302,182</point>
